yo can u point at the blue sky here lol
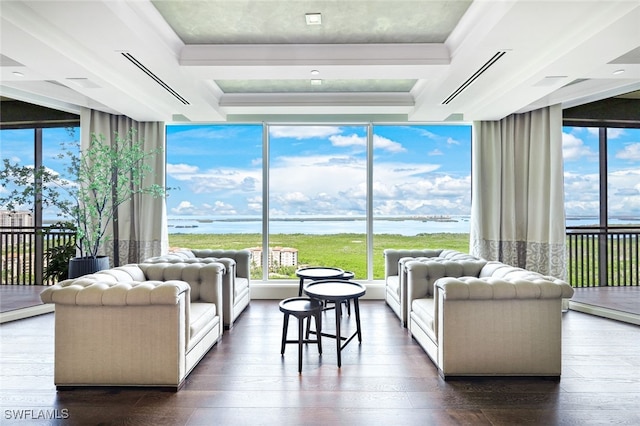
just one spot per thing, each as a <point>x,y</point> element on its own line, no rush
<point>581,171</point>
<point>319,170</point>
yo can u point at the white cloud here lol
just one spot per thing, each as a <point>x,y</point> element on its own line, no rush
<point>435,152</point>
<point>612,133</point>
<point>573,148</point>
<point>331,184</point>
<point>293,197</point>
<point>184,207</point>
<point>380,142</point>
<point>581,194</point>
<point>303,132</point>
<point>350,140</point>
<point>624,193</point>
<point>630,152</point>
<point>181,168</point>
<point>220,207</point>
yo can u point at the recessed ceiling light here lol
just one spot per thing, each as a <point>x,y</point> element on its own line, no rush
<point>315,72</point>
<point>316,82</point>
<point>313,18</point>
<point>617,72</point>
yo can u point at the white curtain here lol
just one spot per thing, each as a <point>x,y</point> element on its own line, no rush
<point>517,208</point>
<point>140,230</point>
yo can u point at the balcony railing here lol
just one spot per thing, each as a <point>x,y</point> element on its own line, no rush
<point>603,256</point>
<point>22,253</point>
<point>596,256</point>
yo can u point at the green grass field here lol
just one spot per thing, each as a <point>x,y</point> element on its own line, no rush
<point>346,251</point>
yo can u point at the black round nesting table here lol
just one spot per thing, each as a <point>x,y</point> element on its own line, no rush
<point>301,308</point>
<point>317,273</point>
<point>338,291</point>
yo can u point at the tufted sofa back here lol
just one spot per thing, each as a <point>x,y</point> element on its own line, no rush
<point>464,288</point>
<point>237,262</point>
<point>201,277</point>
<point>141,282</point>
<point>425,272</point>
<point>123,285</point>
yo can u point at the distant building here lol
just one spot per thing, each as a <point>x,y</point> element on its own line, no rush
<point>14,220</point>
<point>17,218</point>
<point>256,256</point>
<point>283,256</point>
<point>278,256</point>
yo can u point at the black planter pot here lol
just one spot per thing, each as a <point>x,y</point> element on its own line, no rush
<point>79,266</point>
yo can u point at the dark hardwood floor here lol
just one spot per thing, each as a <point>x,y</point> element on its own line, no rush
<point>624,299</point>
<point>14,297</point>
<point>387,380</point>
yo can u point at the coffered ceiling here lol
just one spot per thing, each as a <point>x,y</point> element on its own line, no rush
<point>259,60</point>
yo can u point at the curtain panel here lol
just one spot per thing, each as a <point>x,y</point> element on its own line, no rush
<point>140,230</point>
<point>517,208</point>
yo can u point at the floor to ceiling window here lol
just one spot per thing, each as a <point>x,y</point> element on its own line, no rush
<point>623,176</point>
<point>215,172</point>
<point>580,149</point>
<point>317,198</point>
<point>334,195</point>
<point>602,204</point>
<point>421,188</point>
<point>29,230</point>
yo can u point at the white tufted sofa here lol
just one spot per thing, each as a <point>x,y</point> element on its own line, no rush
<point>236,280</point>
<point>135,325</point>
<point>396,275</point>
<point>479,318</point>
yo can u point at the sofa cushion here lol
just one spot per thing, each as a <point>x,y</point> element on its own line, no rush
<point>393,285</point>
<point>424,309</point>
<point>201,319</point>
<point>241,286</point>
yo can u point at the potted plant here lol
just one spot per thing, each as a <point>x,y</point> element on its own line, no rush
<point>88,193</point>
<point>57,256</point>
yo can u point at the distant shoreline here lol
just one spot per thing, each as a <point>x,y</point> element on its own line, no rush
<point>439,218</point>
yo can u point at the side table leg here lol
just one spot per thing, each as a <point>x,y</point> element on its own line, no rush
<point>300,340</point>
<point>318,317</point>
<point>356,307</point>
<point>285,325</point>
<point>338,339</point>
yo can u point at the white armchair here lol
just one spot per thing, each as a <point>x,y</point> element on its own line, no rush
<point>236,279</point>
<point>135,325</point>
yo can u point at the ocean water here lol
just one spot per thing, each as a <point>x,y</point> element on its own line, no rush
<point>322,226</point>
<point>201,225</point>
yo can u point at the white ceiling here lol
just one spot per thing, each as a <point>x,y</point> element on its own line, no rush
<point>251,60</point>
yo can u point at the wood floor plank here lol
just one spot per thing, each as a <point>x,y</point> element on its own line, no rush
<point>386,380</point>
